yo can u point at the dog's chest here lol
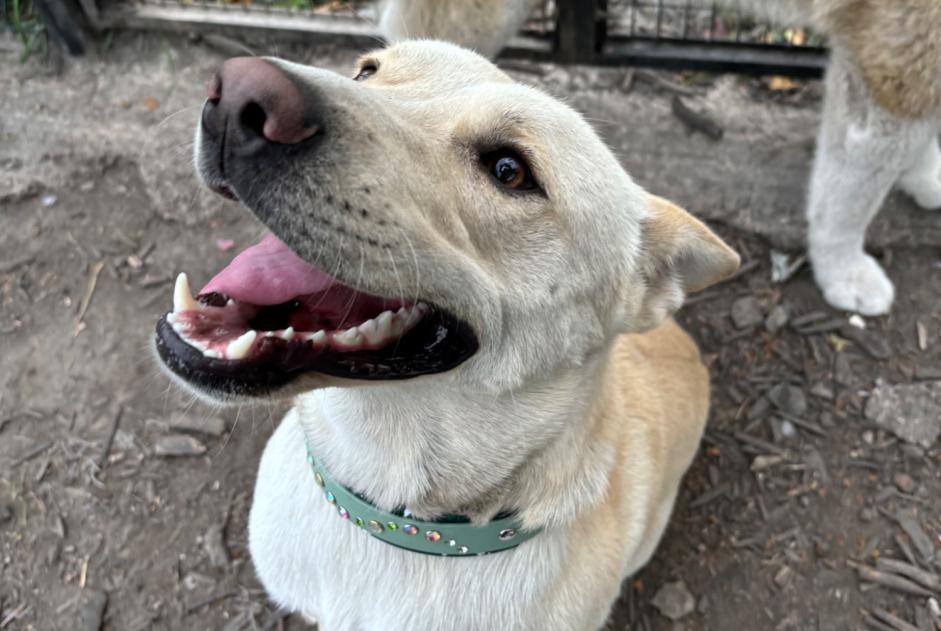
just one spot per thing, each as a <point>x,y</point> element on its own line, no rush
<point>312,561</point>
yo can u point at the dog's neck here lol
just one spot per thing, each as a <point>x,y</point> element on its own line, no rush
<point>446,450</point>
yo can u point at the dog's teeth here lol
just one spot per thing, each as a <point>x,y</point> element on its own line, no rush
<point>171,318</point>
<point>385,320</point>
<point>211,354</point>
<point>229,302</point>
<point>288,334</point>
<point>372,331</point>
<point>239,347</point>
<point>349,337</point>
<point>182,296</point>
<point>317,338</point>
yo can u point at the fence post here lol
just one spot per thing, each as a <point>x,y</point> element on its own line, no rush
<point>580,29</point>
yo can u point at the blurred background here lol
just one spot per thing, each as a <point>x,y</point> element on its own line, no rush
<point>123,502</point>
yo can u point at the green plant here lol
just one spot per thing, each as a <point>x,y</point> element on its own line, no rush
<point>21,19</point>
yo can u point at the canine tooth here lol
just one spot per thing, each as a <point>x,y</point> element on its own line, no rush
<point>211,354</point>
<point>239,347</point>
<point>182,296</point>
<point>171,318</point>
<point>229,302</point>
<point>318,337</point>
<point>414,315</point>
<point>288,334</point>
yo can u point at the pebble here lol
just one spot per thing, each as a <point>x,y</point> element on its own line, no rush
<point>910,411</point>
<point>91,610</point>
<point>178,445</point>
<point>747,312</point>
<point>904,483</point>
<point>674,600</point>
<point>49,200</point>
<point>788,398</point>
<point>867,514</point>
<point>214,545</point>
<point>777,319</point>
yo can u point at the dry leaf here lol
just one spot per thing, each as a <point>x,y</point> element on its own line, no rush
<point>778,83</point>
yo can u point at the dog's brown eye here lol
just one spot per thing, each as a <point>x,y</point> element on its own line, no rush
<point>509,169</point>
<point>365,72</point>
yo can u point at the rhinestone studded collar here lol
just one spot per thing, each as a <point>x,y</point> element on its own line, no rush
<point>450,536</point>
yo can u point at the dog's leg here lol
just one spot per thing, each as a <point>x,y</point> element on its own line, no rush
<point>862,150</point>
<point>923,180</point>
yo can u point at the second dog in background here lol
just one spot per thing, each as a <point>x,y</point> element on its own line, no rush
<point>881,114</point>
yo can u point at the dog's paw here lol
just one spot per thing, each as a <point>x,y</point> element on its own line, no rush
<point>858,284</point>
<point>925,191</point>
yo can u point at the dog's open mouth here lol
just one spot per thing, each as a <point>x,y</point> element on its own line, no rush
<point>269,316</point>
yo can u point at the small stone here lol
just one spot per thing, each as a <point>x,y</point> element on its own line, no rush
<point>789,399</point>
<point>787,429</point>
<point>783,577</point>
<point>777,319</point>
<point>48,200</point>
<point>822,390</point>
<point>868,437</point>
<point>857,321</point>
<point>747,312</point>
<point>910,411</point>
<point>174,445</point>
<point>867,514</point>
<point>674,600</point>
<point>214,546</point>
<point>904,483</point>
<point>91,610</point>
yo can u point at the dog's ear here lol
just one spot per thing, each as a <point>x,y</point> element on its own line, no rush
<point>680,255</point>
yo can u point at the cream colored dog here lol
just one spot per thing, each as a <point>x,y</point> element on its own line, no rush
<point>881,118</point>
<point>470,301</point>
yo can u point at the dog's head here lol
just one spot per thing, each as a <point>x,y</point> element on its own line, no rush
<point>429,217</point>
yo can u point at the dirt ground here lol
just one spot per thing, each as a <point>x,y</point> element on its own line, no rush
<point>813,503</point>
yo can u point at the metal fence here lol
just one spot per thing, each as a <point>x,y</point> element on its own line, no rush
<point>690,34</point>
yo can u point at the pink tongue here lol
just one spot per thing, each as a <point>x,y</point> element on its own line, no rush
<point>268,274</point>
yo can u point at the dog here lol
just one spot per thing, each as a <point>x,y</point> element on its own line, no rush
<point>469,302</point>
<point>881,114</point>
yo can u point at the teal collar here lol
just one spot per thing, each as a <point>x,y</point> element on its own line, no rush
<point>450,536</point>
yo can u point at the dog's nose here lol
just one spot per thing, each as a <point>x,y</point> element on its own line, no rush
<point>258,99</point>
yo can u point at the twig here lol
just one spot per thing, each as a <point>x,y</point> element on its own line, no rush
<point>210,600</point>
<point>748,439</point>
<point>928,579</point>
<point>32,453</point>
<point>110,440</point>
<point>656,80</point>
<point>696,121</point>
<point>893,621</point>
<point>90,291</point>
<point>12,265</point>
<point>891,581</point>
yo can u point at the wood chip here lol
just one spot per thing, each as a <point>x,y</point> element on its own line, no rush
<point>174,445</point>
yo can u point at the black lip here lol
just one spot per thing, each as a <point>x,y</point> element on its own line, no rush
<point>438,343</point>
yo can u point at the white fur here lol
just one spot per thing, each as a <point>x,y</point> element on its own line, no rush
<point>549,281</point>
<point>862,152</point>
